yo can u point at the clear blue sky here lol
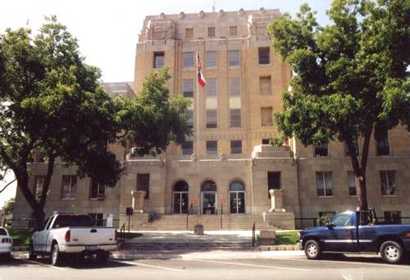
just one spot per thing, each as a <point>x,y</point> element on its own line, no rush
<point>107,30</point>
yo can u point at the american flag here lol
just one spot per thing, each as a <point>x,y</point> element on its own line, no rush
<point>201,78</point>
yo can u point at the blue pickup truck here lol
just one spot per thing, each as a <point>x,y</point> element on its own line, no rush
<point>352,231</point>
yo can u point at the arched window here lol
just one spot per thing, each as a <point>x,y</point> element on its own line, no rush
<point>237,197</point>
<point>180,197</point>
<point>208,197</point>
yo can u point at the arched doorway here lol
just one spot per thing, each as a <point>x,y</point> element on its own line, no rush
<point>180,197</point>
<point>208,197</point>
<point>237,197</point>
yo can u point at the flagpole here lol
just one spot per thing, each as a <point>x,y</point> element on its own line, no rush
<point>197,108</point>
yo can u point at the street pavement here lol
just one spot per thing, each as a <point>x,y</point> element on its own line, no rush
<point>210,265</point>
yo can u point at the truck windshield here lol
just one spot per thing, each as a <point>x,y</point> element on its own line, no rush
<point>3,231</point>
<point>342,219</point>
<point>73,221</point>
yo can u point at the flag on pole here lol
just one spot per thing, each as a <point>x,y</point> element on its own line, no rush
<point>201,78</point>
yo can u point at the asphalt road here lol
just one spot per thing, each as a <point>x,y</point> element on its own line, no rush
<point>296,267</point>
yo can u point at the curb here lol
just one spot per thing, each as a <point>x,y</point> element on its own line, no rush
<point>295,247</point>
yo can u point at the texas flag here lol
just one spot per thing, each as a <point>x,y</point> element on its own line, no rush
<point>201,78</point>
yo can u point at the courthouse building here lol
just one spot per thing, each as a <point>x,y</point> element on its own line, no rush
<point>221,176</point>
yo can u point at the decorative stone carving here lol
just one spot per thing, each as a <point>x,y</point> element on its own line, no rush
<point>276,201</point>
<point>201,14</point>
<point>241,12</point>
<point>138,201</point>
<point>181,15</point>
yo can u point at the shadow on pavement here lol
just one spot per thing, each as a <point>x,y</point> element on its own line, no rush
<point>12,262</point>
<point>371,259</point>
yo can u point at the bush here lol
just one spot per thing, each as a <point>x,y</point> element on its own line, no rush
<point>20,237</point>
<point>287,237</point>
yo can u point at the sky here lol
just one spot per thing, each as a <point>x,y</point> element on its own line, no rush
<point>107,30</point>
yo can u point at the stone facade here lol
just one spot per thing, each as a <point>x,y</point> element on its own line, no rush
<point>222,176</point>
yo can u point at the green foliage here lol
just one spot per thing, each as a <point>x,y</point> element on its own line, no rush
<point>350,77</point>
<point>8,207</point>
<point>52,106</point>
<point>20,237</point>
<point>287,237</point>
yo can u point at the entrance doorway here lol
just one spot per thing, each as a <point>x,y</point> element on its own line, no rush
<point>180,197</point>
<point>208,198</point>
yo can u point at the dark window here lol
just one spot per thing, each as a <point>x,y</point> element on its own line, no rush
<point>212,147</point>
<point>188,59</point>
<point>321,150</point>
<point>211,32</point>
<point>158,59</point>
<point>188,88</point>
<point>236,147</point>
<point>264,55</point>
<point>237,197</point>
<point>274,181</point>
<point>143,183</point>
<point>382,142</point>
<point>187,148</point>
<point>392,217</point>
<point>98,219</point>
<point>234,57</point>
<point>38,186</point>
<point>355,146</point>
<point>211,118</point>
<point>266,141</point>
<point>233,30</point>
<point>388,182</point>
<point>69,187</point>
<point>324,183</point>
<point>325,217</point>
<point>351,184</point>
<point>235,115</point>
<point>73,221</point>
<point>97,191</point>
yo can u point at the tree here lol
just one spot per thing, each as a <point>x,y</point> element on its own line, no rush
<point>350,78</point>
<point>52,107</point>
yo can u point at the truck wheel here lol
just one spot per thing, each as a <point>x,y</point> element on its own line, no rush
<point>391,252</point>
<point>56,257</point>
<point>102,257</point>
<point>312,249</point>
<point>31,254</point>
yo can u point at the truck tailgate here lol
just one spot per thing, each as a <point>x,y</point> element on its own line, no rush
<point>92,236</point>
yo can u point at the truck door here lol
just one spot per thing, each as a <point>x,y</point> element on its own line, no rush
<point>39,237</point>
<point>341,233</point>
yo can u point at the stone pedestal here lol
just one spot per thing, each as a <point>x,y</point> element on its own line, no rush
<point>138,201</point>
<point>280,220</point>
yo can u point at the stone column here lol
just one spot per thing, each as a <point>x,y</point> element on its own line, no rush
<point>276,201</point>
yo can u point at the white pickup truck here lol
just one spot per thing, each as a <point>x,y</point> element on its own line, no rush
<point>75,235</point>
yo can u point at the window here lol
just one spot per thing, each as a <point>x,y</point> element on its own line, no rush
<point>188,59</point>
<point>388,182</point>
<point>180,197</point>
<point>143,183</point>
<point>188,88</point>
<point>235,115</point>
<point>189,33</point>
<point>325,217</point>
<point>211,59</point>
<point>190,121</point>
<point>320,150</point>
<point>97,191</point>
<point>266,141</point>
<point>237,197</point>
<point>274,181</point>
<point>264,55</point>
<point>212,147</point>
<point>233,30</point>
<point>187,148</point>
<point>234,86</point>
<point>211,118</point>
<point>392,217</point>
<point>266,116</point>
<point>38,186</point>
<point>98,219</point>
<point>351,184</point>
<point>356,147</point>
<point>69,187</point>
<point>324,183</point>
<point>342,220</point>
<point>159,59</point>
<point>382,142</point>
<point>234,57</point>
<point>210,88</point>
<point>211,32</point>
<point>236,147</point>
<point>265,85</point>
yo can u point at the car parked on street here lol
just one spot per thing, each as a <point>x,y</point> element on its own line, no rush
<point>351,231</point>
<point>74,236</point>
<point>6,243</point>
